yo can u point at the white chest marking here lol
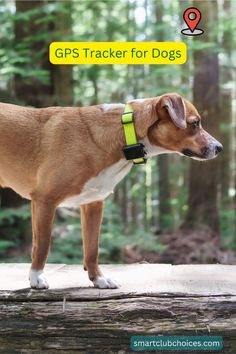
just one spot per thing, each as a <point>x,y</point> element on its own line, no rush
<point>109,106</point>
<point>141,100</point>
<point>99,187</point>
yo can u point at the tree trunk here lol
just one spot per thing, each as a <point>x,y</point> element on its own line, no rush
<point>164,191</point>
<point>162,160</point>
<point>226,117</point>
<point>31,90</point>
<point>203,184</point>
<point>124,202</point>
<point>226,106</point>
<point>62,75</point>
<point>185,68</point>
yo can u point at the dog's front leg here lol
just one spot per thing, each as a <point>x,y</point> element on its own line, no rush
<point>42,218</point>
<point>91,217</point>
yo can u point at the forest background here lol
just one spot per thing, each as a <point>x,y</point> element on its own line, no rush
<point>173,209</point>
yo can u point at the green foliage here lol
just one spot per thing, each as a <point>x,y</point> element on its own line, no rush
<point>25,57</point>
<point>10,215</point>
<point>14,225</point>
<point>5,246</point>
<point>228,225</point>
<point>68,247</point>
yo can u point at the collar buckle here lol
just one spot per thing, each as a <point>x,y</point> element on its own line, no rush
<point>135,152</point>
<point>127,117</point>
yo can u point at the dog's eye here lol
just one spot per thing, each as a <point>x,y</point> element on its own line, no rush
<point>196,124</point>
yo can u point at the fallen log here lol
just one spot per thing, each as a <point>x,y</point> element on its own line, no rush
<point>73,317</point>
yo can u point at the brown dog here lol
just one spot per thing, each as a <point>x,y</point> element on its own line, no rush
<point>74,156</point>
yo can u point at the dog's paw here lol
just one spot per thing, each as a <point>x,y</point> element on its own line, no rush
<point>38,280</point>
<point>105,283</point>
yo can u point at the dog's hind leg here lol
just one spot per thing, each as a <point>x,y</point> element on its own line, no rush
<point>91,217</point>
<point>43,213</point>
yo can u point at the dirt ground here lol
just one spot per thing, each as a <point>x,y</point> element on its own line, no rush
<point>184,247</point>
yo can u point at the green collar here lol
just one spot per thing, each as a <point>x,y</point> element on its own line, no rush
<point>132,150</point>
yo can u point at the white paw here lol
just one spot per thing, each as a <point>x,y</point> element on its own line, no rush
<point>38,280</point>
<point>105,283</point>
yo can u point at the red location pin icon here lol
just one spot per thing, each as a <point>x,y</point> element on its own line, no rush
<point>192,23</point>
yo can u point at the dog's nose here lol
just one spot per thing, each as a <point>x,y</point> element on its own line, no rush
<point>218,148</point>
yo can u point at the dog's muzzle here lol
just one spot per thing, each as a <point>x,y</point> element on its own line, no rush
<point>207,153</point>
<point>212,150</point>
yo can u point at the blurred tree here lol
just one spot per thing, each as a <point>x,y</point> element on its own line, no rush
<point>226,101</point>
<point>62,75</point>
<point>31,41</point>
<point>35,26</point>
<point>225,134</point>
<point>203,184</point>
<point>162,160</point>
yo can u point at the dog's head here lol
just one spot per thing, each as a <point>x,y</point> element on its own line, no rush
<point>175,125</point>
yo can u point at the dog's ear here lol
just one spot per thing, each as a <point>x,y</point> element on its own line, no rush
<point>174,105</point>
